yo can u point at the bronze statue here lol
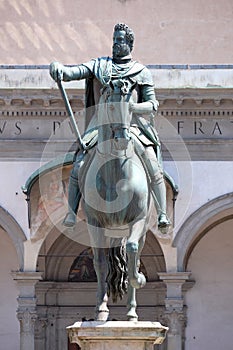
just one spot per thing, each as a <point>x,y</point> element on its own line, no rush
<point>99,73</point>
<point>118,168</point>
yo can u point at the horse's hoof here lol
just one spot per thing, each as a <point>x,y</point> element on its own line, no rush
<point>132,316</point>
<point>102,315</point>
<point>142,280</point>
<point>163,224</point>
<point>138,282</point>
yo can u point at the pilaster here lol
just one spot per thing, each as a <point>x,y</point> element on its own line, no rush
<point>26,312</point>
<point>175,311</point>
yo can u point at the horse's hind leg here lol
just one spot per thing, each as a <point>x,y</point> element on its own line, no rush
<point>133,248</point>
<point>100,265</point>
<point>131,302</point>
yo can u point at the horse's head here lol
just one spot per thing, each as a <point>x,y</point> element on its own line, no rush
<point>119,115</point>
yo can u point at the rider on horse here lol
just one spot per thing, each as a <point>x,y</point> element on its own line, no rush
<point>99,74</point>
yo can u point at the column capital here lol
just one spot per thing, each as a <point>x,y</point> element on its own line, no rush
<point>171,277</point>
<point>26,282</point>
<point>174,282</point>
<point>176,321</point>
<point>27,275</point>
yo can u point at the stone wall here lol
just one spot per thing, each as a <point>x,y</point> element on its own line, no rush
<point>167,32</point>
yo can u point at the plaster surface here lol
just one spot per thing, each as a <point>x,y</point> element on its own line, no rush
<point>73,31</point>
<point>13,175</point>
<point>9,325</point>
<point>198,182</point>
<point>173,77</point>
<point>209,301</point>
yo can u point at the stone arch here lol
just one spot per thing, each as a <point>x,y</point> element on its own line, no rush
<point>199,223</point>
<point>15,232</point>
<point>62,299</point>
<point>58,252</point>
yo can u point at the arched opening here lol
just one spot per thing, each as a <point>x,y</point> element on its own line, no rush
<point>209,302</point>
<point>62,301</point>
<point>198,224</point>
<point>9,325</point>
<point>11,259</point>
<point>9,225</point>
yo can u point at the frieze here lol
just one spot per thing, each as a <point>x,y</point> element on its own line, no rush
<point>57,126</point>
<point>202,119</point>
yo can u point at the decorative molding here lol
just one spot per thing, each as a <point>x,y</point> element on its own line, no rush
<point>192,229</point>
<point>15,232</point>
<point>202,118</point>
<point>27,276</point>
<point>169,99</point>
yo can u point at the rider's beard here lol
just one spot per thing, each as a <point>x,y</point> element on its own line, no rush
<point>120,50</point>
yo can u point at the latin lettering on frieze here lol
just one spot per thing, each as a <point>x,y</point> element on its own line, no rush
<point>42,129</point>
<point>43,125</point>
<point>180,126</point>
<point>36,128</point>
<point>56,125</point>
<point>2,126</point>
<point>18,127</point>
<point>198,128</point>
<point>217,129</point>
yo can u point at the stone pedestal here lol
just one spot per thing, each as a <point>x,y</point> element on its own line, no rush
<point>117,335</point>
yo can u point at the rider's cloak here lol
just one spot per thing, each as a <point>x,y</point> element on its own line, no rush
<point>103,70</point>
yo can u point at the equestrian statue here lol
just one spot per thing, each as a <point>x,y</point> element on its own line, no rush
<point>117,169</point>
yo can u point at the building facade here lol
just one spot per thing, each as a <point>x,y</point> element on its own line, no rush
<point>46,276</point>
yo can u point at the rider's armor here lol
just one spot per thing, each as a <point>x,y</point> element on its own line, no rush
<point>130,76</point>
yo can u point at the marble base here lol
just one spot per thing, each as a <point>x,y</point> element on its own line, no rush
<point>117,335</point>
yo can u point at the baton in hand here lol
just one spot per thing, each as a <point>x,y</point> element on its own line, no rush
<point>71,115</point>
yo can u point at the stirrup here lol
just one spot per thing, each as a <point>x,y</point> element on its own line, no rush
<point>69,220</point>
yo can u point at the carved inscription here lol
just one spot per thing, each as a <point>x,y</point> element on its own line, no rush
<point>35,129</point>
<point>204,128</point>
<point>61,129</point>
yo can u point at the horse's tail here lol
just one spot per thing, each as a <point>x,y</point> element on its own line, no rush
<point>117,278</point>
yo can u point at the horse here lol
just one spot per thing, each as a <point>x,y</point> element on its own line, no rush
<point>116,200</point>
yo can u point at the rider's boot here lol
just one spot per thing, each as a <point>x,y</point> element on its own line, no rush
<point>158,188</point>
<point>74,196</point>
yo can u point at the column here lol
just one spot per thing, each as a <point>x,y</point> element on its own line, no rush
<point>175,315</point>
<point>26,312</point>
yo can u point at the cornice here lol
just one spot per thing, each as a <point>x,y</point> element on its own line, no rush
<point>164,76</point>
<point>178,102</point>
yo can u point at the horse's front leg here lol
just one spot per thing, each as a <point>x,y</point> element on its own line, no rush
<point>131,304</point>
<point>134,247</point>
<point>100,265</point>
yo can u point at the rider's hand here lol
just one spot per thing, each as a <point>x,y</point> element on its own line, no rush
<point>132,107</point>
<point>141,108</point>
<point>56,70</point>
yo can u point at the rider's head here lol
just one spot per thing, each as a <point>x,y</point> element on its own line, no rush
<point>123,39</point>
